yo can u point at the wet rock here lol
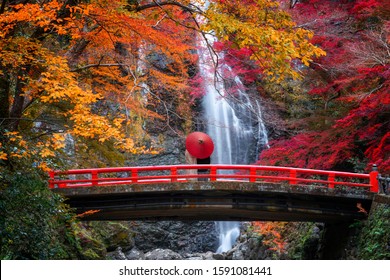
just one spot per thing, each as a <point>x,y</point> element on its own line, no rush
<point>181,237</point>
<point>208,256</point>
<point>218,257</point>
<point>195,256</point>
<point>116,255</point>
<point>162,254</point>
<point>135,254</point>
<point>238,255</point>
<point>248,248</point>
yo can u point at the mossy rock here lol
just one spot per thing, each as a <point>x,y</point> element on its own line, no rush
<point>374,239</point>
<point>113,234</point>
<point>122,238</point>
<point>91,248</point>
<point>302,240</point>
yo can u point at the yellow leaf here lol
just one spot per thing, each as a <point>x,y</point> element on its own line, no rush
<point>46,152</point>
<point>44,167</point>
<point>3,156</point>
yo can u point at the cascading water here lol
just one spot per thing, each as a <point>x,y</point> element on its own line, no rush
<point>231,121</point>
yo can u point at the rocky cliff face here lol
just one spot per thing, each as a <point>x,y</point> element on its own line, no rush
<point>181,237</point>
<point>163,240</point>
<point>171,151</point>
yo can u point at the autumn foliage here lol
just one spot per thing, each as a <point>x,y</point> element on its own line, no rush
<point>265,33</point>
<point>349,87</point>
<point>270,232</point>
<point>99,71</point>
<point>85,72</point>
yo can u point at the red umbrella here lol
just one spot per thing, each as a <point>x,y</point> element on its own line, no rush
<point>199,145</point>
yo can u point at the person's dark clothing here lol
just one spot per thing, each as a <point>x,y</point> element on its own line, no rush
<point>203,171</point>
<point>203,161</point>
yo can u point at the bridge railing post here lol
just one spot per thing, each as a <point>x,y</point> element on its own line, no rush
<point>51,176</point>
<point>293,177</point>
<point>174,174</point>
<point>94,178</point>
<point>374,179</point>
<point>134,175</point>
<point>213,173</point>
<point>331,179</point>
<point>252,174</point>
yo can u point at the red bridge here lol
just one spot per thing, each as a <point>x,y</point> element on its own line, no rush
<point>224,192</point>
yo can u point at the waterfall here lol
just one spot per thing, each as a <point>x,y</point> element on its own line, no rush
<point>234,124</point>
<point>228,234</point>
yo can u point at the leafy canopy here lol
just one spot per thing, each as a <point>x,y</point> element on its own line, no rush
<point>351,83</point>
<point>98,70</point>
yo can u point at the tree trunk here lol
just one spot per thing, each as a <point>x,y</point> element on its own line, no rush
<point>17,106</point>
<point>4,100</point>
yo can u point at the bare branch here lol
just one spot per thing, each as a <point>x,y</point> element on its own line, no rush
<point>97,65</point>
<point>161,4</point>
<point>370,92</point>
<point>293,3</point>
<point>160,20</point>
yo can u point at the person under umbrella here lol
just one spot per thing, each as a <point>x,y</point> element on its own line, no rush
<point>199,146</point>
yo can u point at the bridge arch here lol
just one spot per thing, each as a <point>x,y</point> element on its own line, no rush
<point>247,192</point>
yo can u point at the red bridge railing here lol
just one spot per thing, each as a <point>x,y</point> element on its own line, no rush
<point>94,177</point>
